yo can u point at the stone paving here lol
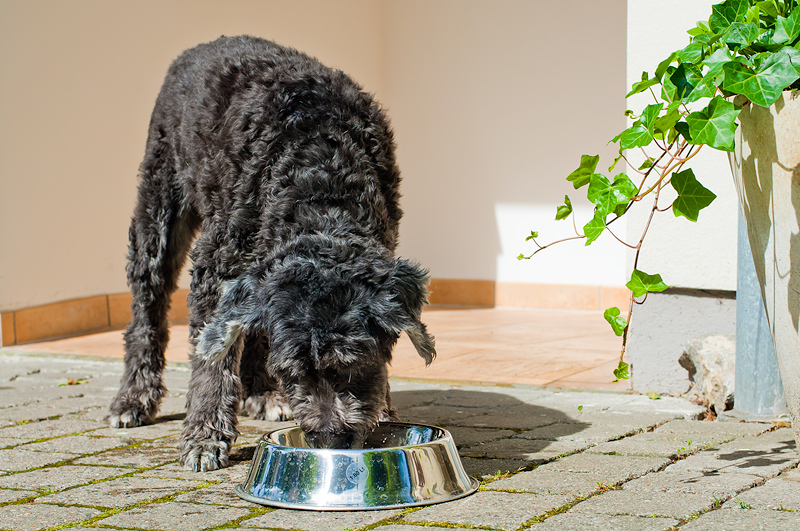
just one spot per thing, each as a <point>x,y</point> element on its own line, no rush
<point>547,460</point>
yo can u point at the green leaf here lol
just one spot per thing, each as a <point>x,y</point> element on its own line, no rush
<point>640,283</point>
<point>768,7</point>
<point>608,196</point>
<point>635,136</point>
<point>692,53</point>
<point>621,372</point>
<point>715,62</point>
<point>650,115</point>
<point>685,78</point>
<point>715,125</point>
<point>617,322</point>
<point>533,236</point>
<point>764,85</point>
<point>787,29</point>
<point>663,65</point>
<point>563,211</point>
<point>652,395</point>
<point>683,129</point>
<point>580,177</point>
<point>692,196</point>
<point>666,122</point>
<point>595,227</point>
<point>741,34</point>
<point>726,13</point>
<point>641,86</point>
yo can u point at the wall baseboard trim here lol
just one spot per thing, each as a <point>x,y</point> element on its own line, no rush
<point>112,311</point>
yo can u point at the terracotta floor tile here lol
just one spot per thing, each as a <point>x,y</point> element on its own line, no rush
<point>504,346</point>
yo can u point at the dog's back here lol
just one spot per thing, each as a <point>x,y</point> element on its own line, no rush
<point>268,142</point>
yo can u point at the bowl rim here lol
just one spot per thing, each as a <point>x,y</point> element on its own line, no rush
<point>267,439</point>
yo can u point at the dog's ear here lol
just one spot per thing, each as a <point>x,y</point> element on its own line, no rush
<point>409,289</point>
<point>236,313</point>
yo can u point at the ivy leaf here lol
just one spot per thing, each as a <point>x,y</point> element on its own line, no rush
<point>617,322</point>
<point>662,67</point>
<point>666,122</point>
<point>652,395</point>
<point>764,85</point>
<point>768,7</point>
<point>692,53</point>
<point>563,211</point>
<point>726,13</point>
<point>641,86</point>
<point>741,34</point>
<point>640,283</point>
<point>692,196</point>
<point>635,136</point>
<point>533,236</point>
<point>715,62</point>
<point>650,115</point>
<point>685,78</point>
<point>608,196</point>
<point>580,177</point>
<point>621,372</point>
<point>787,29</point>
<point>595,227</point>
<point>715,125</point>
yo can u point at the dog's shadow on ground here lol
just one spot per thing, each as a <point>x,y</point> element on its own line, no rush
<point>494,432</point>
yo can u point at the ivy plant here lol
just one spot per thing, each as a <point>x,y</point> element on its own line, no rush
<point>746,47</point>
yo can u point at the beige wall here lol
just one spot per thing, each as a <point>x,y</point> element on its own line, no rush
<point>493,104</point>
<point>78,80</point>
<point>491,112</point>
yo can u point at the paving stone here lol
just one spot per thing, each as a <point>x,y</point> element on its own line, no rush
<point>518,417</point>
<point>233,474</point>
<point>218,494</point>
<point>766,456</point>
<point>400,527</point>
<point>47,429</point>
<point>140,433</point>
<point>16,459</point>
<point>464,437</point>
<point>544,481</point>
<point>119,492</point>
<point>582,432</point>
<point>645,503</point>
<point>572,521</point>
<point>496,510</point>
<point>710,429</point>
<point>35,516</point>
<point>174,516</point>
<point>616,468</point>
<point>75,444</point>
<point>739,520</point>
<point>317,521</point>
<point>145,455</point>
<point>530,450</point>
<point>491,467</point>
<point>57,478</point>
<point>8,495</point>
<point>720,486</point>
<point>774,494</point>
<point>652,444</point>
<point>643,420</point>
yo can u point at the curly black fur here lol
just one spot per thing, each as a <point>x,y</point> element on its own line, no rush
<point>287,169</point>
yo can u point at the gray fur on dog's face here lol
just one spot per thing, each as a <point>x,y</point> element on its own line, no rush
<point>331,311</point>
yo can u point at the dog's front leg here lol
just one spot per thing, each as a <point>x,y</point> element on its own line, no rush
<point>212,404</point>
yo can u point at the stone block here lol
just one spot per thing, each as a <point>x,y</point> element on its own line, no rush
<point>58,478</point>
<point>174,516</point>
<point>545,481</point>
<point>780,494</point>
<point>492,509</point>
<point>752,520</point>
<point>646,503</point>
<point>317,521</point>
<point>17,460</point>
<point>577,521</point>
<point>34,516</point>
<point>120,492</point>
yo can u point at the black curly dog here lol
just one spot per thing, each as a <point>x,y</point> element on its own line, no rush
<point>286,168</point>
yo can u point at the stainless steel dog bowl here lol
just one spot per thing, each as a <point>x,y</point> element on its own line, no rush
<point>401,465</point>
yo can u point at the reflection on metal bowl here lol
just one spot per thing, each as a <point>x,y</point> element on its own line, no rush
<point>401,465</point>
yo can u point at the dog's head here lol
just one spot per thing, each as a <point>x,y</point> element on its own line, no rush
<point>331,318</point>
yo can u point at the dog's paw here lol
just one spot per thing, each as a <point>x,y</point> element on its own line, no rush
<point>204,455</point>
<point>127,413</point>
<point>269,406</point>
